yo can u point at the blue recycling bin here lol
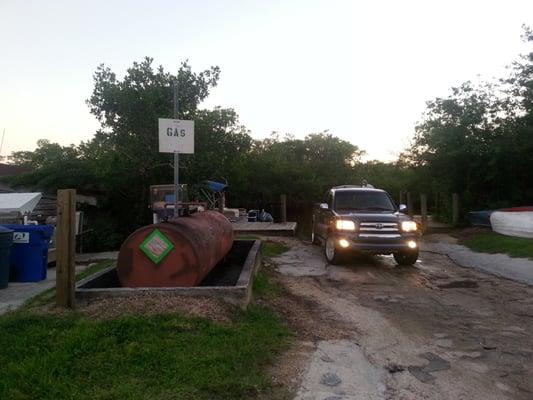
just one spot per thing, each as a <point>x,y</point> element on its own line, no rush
<point>29,253</point>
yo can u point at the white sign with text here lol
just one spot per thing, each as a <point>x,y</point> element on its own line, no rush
<point>176,135</point>
<point>21,237</point>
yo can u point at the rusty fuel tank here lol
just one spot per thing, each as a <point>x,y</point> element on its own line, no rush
<point>180,252</point>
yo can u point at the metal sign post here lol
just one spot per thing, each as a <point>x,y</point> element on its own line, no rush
<point>176,136</point>
<point>176,156</point>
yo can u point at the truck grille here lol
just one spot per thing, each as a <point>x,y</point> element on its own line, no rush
<point>378,227</point>
<point>379,230</point>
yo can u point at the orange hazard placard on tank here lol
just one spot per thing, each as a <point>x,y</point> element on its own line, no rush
<point>156,246</point>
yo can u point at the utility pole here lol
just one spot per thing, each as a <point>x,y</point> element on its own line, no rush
<point>176,156</point>
<point>2,143</point>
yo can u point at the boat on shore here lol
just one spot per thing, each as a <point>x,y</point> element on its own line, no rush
<point>517,222</point>
<point>517,209</point>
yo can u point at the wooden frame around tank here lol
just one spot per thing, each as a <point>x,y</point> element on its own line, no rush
<point>240,294</point>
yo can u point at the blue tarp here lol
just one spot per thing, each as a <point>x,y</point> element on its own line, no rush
<point>216,186</point>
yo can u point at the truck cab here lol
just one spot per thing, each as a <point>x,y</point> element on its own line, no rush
<point>363,219</point>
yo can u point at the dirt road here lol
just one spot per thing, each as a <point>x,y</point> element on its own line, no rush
<point>433,331</point>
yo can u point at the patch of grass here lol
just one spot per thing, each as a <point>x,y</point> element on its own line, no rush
<point>38,300</point>
<point>263,287</point>
<point>93,269</point>
<point>273,249</point>
<point>133,357</point>
<point>269,248</point>
<point>48,295</point>
<point>492,242</point>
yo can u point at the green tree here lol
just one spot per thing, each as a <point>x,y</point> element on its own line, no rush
<point>221,145</point>
<point>478,141</point>
<point>126,148</point>
<point>51,166</point>
<point>301,168</point>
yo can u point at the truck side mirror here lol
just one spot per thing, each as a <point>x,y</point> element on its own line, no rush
<point>402,208</point>
<point>323,206</point>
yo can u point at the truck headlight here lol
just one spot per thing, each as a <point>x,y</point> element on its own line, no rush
<point>409,226</point>
<point>345,225</point>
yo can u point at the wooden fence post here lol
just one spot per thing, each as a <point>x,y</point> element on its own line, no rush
<point>409,204</point>
<point>424,211</point>
<point>65,247</point>
<point>283,201</point>
<point>455,209</point>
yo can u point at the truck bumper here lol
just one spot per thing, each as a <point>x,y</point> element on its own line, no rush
<point>377,245</point>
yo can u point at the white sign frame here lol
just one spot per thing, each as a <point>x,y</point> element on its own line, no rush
<point>176,136</point>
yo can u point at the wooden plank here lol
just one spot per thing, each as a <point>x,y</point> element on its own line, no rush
<point>65,247</point>
<point>273,226</point>
<point>265,228</point>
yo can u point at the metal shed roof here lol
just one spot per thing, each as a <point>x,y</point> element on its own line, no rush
<point>18,202</point>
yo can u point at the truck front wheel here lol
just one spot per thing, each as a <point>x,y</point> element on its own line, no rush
<point>331,252</point>
<point>406,258</point>
<point>314,237</point>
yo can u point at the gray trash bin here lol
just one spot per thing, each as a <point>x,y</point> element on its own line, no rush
<point>6,240</point>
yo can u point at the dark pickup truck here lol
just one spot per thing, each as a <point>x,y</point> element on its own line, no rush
<point>363,219</point>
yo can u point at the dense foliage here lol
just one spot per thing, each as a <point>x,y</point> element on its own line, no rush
<point>477,142</point>
<point>122,160</point>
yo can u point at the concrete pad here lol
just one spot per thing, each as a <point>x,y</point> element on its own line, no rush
<point>340,370</point>
<point>517,269</point>
<point>301,260</point>
<point>17,293</point>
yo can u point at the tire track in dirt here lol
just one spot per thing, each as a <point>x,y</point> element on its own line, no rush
<point>445,332</point>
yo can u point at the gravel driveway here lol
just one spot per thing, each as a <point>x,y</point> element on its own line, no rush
<point>432,331</point>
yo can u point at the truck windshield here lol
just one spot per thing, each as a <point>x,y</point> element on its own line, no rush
<point>361,200</point>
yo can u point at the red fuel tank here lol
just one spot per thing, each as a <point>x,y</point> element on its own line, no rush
<point>180,252</point>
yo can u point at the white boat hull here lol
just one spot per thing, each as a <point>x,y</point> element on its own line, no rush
<point>518,224</point>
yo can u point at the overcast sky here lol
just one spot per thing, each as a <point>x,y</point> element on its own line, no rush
<point>361,69</point>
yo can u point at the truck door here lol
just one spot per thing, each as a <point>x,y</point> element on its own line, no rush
<point>325,215</point>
